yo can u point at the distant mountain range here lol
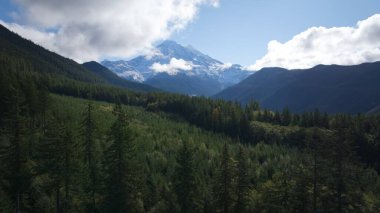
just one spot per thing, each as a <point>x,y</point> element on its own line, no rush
<point>330,88</point>
<point>179,69</point>
<point>175,68</point>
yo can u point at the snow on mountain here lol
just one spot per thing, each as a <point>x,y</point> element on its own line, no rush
<point>174,59</point>
<point>132,75</point>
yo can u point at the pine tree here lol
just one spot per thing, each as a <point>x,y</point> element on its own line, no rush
<point>43,105</point>
<point>57,160</point>
<point>300,200</point>
<point>89,130</point>
<point>316,147</point>
<point>14,156</point>
<point>224,185</point>
<point>49,158</point>
<point>245,129</point>
<point>243,184</point>
<point>344,173</point>
<point>31,100</point>
<point>320,145</point>
<point>4,86</point>
<point>70,168</point>
<point>267,116</point>
<point>277,118</point>
<point>286,117</point>
<point>184,178</point>
<point>123,182</point>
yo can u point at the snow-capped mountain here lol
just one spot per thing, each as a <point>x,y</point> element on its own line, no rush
<point>180,69</point>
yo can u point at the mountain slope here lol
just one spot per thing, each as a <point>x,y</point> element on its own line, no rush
<point>106,74</point>
<point>187,70</point>
<point>23,56</point>
<point>331,88</point>
<point>15,48</point>
<point>181,83</point>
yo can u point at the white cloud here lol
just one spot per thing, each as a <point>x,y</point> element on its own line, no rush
<point>173,67</point>
<point>320,45</point>
<point>152,53</point>
<point>43,38</point>
<point>220,67</point>
<point>93,29</point>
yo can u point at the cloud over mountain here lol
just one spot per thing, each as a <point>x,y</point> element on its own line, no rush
<point>320,45</point>
<point>173,67</point>
<point>92,29</point>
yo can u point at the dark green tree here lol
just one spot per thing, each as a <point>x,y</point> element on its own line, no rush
<point>317,147</point>
<point>14,155</point>
<point>243,184</point>
<point>123,182</point>
<point>56,159</point>
<point>224,185</point>
<point>344,174</point>
<point>91,161</point>
<point>277,118</point>
<point>300,193</point>
<point>286,117</point>
<point>44,102</point>
<point>185,178</point>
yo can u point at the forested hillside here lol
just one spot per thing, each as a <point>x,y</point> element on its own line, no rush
<point>17,53</point>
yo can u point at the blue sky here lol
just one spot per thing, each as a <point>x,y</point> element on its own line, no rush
<point>235,31</point>
<point>239,30</point>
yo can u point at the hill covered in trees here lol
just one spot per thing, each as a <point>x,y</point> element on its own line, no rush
<point>108,149</point>
<point>17,53</point>
<point>330,88</point>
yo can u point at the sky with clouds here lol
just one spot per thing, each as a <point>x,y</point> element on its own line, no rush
<point>254,33</point>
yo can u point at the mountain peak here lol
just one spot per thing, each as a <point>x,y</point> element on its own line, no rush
<point>172,49</point>
<point>179,62</point>
<point>168,43</point>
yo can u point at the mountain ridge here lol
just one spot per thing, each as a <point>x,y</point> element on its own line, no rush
<point>330,88</point>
